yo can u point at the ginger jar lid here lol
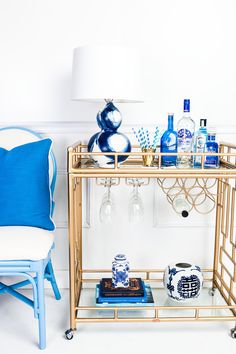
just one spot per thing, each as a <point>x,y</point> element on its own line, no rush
<point>120,258</point>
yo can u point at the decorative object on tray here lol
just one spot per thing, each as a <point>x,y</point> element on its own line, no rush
<point>110,73</point>
<point>120,271</point>
<point>147,300</point>
<point>143,138</point>
<point>183,281</point>
<point>135,288</point>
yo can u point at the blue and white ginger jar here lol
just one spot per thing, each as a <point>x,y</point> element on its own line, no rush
<point>120,271</point>
<point>183,281</point>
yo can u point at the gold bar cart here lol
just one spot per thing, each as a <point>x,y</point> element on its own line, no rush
<point>221,278</point>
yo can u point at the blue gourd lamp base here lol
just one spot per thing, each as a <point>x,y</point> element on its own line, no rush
<point>109,139</point>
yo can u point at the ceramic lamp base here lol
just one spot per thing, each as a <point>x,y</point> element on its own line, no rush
<point>109,139</point>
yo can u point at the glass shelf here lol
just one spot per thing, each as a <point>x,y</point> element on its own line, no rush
<point>205,306</point>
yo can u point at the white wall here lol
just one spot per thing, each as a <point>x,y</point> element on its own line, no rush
<point>188,51</point>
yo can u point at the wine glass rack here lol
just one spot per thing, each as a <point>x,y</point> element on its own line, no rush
<point>218,185</point>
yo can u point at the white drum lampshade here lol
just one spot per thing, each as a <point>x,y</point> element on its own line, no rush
<point>109,73</point>
<point>106,73</point>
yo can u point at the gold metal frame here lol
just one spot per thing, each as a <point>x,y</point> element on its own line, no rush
<point>222,276</point>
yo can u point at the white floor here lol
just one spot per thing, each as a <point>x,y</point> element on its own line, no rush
<point>19,333</point>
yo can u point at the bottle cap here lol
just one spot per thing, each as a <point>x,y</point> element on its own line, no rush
<point>184,213</point>
<point>186,105</point>
<point>203,122</point>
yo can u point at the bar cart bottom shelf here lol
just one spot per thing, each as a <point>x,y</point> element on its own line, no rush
<point>207,307</point>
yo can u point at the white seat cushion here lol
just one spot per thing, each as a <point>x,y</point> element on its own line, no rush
<point>24,243</point>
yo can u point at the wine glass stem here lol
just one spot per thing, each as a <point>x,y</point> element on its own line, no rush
<point>109,193</point>
<point>136,190</point>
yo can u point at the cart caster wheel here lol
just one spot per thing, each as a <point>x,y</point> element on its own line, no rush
<point>212,292</point>
<point>233,333</point>
<point>69,334</point>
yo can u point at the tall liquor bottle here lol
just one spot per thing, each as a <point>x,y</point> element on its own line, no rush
<point>200,142</point>
<point>169,141</point>
<point>186,127</point>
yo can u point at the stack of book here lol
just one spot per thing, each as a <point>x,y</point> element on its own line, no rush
<point>136,294</point>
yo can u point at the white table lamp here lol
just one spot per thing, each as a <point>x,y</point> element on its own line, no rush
<point>109,73</point>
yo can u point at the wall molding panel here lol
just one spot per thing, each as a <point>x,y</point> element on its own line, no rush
<point>89,127</point>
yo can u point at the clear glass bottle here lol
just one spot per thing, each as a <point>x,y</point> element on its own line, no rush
<point>186,128</point>
<point>200,142</point>
<point>211,147</point>
<point>169,141</point>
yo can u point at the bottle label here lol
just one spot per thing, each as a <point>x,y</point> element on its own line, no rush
<point>200,143</point>
<point>200,147</point>
<point>211,161</point>
<point>185,138</point>
<point>185,134</point>
<point>171,148</point>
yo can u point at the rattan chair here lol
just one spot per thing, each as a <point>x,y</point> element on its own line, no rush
<point>26,251</point>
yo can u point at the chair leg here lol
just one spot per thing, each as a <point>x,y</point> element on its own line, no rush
<point>52,280</point>
<point>41,306</point>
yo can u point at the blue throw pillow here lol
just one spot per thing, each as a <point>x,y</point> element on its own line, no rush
<point>25,198</point>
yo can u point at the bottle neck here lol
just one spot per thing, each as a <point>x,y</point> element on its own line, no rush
<point>203,123</point>
<point>170,122</point>
<point>186,114</point>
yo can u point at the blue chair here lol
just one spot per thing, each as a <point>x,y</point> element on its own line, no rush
<point>31,261</point>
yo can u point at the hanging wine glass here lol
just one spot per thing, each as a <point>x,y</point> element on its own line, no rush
<point>107,209</point>
<point>136,208</point>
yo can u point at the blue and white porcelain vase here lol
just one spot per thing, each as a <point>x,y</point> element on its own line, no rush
<point>183,281</point>
<point>109,139</point>
<point>120,271</point>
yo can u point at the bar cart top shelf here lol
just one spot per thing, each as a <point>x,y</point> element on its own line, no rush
<point>82,162</point>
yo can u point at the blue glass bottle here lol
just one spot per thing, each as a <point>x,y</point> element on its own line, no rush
<point>211,147</point>
<point>169,143</point>
<point>200,142</point>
